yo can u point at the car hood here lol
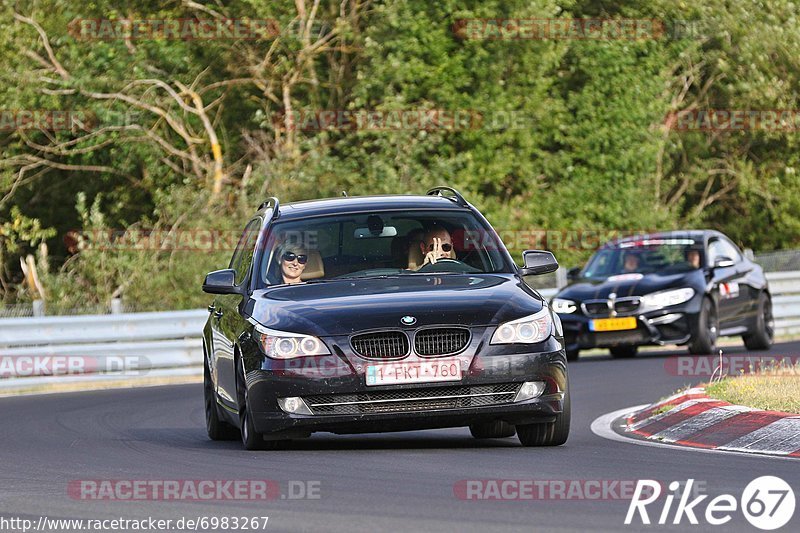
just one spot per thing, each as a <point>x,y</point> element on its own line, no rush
<point>341,307</point>
<point>629,285</point>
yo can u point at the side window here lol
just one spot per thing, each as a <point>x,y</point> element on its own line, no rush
<point>731,250</point>
<point>722,248</point>
<point>243,255</point>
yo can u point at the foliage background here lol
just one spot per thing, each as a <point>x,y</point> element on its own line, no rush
<point>591,151</point>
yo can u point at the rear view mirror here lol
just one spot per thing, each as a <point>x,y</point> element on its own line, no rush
<point>366,233</point>
<point>221,282</point>
<point>538,262</point>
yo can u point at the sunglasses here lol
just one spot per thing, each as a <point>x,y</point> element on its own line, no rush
<point>291,256</point>
<point>446,247</point>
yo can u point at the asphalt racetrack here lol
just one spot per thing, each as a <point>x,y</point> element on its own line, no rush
<point>379,482</point>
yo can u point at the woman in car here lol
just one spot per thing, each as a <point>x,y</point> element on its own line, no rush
<point>290,262</point>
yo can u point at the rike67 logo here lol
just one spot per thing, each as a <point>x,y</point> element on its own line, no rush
<point>767,503</point>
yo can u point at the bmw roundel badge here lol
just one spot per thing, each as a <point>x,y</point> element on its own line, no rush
<point>408,320</point>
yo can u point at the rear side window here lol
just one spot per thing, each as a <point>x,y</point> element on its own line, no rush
<point>243,255</point>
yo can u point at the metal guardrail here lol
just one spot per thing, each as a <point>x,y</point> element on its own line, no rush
<point>172,339</point>
<point>132,343</point>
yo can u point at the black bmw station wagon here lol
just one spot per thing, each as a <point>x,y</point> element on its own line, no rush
<point>385,313</point>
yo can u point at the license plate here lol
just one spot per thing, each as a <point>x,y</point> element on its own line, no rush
<point>416,372</point>
<point>613,324</point>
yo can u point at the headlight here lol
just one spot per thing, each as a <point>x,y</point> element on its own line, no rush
<point>563,306</point>
<point>525,330</point>
<point>284,345</point>
<point>667,298</point>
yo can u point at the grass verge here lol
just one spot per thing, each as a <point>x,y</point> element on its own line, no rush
<point>775,389</point>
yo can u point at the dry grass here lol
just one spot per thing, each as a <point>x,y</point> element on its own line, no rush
<point>776,389</point>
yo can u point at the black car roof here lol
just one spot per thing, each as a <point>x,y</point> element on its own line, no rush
<point>697,235</point>
<point>345,204</point>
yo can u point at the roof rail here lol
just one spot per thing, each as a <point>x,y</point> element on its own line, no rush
<point>455,195</point>
<point>274,204</point>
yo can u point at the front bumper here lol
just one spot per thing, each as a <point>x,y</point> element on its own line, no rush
<point>366,409</point>
<point>673,325</point>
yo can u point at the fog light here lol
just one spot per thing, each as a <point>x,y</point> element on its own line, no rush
<point>294,405</point>
<point>530,389</point>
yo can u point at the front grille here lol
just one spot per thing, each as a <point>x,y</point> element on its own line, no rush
<point>381,345</point>
<point>411,400</point>
<point>622,306</point>
<point>596,308</point>
<point>626,306</point>
<point>441,341</point>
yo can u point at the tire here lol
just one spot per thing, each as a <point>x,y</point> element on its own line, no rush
<point>496,429</point>
<point>764,331</point>
<point>251,438</point>
<point>572,355</point>
<point>625,351</point>
<point>216,428</point>
<point>704,337</point>
<point>548,433</point>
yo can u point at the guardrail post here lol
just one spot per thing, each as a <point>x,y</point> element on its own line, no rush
<point>38,308</point>
<point>561,277</point>
<point>116,306</point>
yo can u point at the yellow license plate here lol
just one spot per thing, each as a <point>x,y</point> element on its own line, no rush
<point>613,324</point>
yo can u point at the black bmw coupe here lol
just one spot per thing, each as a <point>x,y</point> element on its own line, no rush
<point>386,313</point>
<point>678,287</point>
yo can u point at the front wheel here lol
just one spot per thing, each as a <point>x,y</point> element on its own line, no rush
<point>216,428</point>
<point>251,438</point>
<point>548,433</point>
<point>704,337</point>
<point>762,335</point>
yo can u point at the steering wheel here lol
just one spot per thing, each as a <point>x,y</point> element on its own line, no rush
<point>452,266</point>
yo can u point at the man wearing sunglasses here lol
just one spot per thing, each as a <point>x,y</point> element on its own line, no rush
<point>293,263</point>
<point>437,245</point>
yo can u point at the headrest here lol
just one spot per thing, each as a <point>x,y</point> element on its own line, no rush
<point>315,268</point>
<point>415,256</point>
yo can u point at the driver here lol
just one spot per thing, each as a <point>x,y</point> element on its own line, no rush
<point>437,245</point>
<point>693,257</point>
<point>630,263</point>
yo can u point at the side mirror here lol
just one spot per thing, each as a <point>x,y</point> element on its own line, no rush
<point>538,262</point>
<point>221,282</point>
<point>723,262</point>
<point>573,273</point>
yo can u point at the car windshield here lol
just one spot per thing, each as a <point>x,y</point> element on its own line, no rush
<point>380,244</point>
<point>665,256</point>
